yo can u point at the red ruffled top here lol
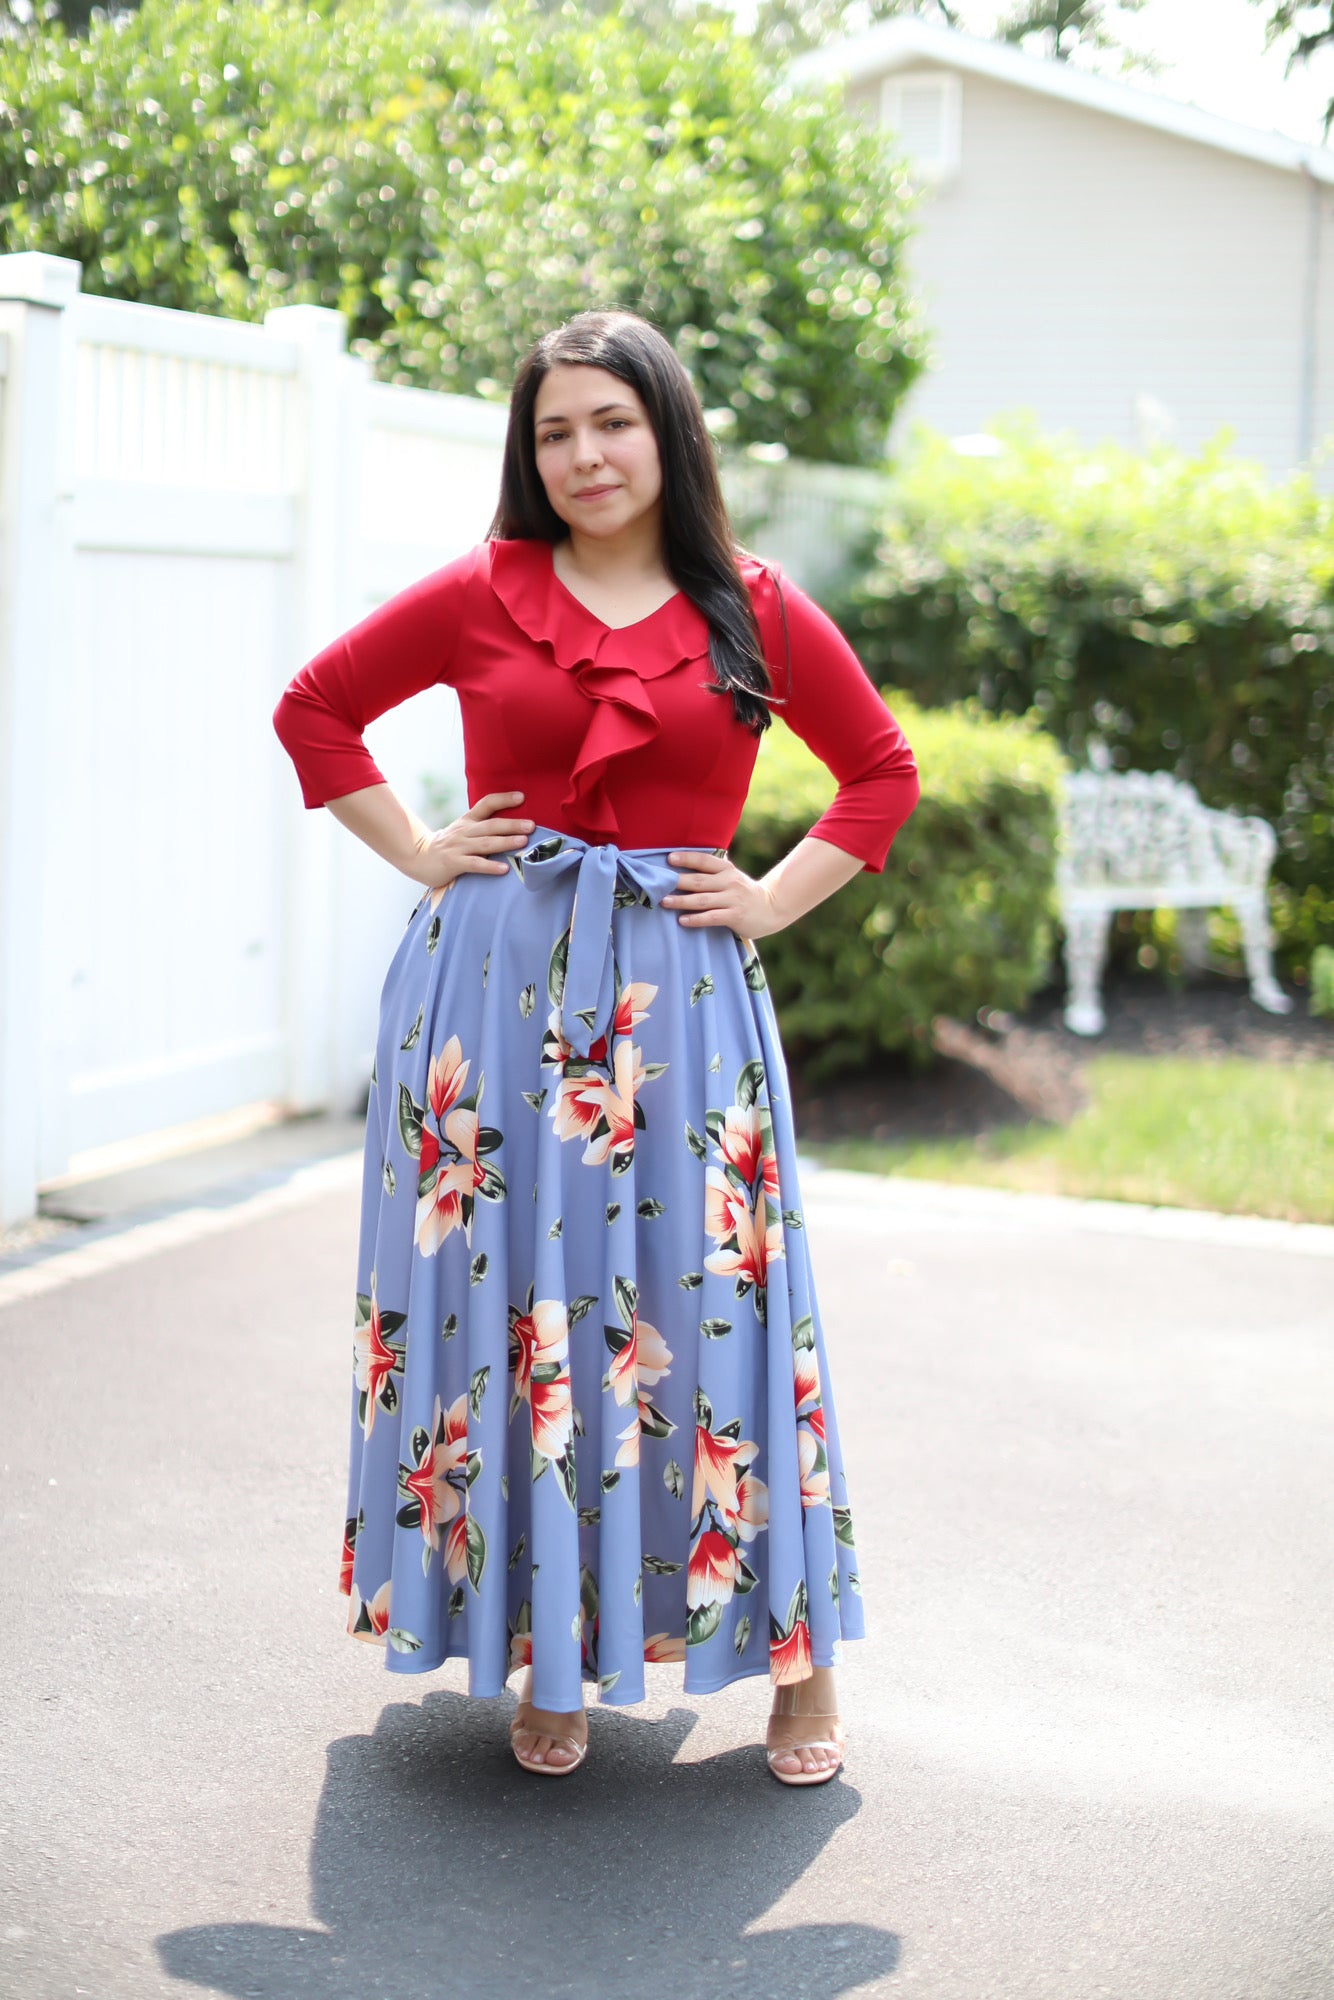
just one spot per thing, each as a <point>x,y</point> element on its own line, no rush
<point>609,732</point>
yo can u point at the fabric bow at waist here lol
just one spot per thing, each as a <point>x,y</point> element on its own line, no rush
<point>603,875</point>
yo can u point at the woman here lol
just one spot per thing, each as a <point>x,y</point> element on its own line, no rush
<point>591,1418</point>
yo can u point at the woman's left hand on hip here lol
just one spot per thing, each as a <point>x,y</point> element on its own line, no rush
<point>711,889</point>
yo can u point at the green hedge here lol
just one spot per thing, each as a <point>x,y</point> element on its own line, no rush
<point>1181,609</point>
<point>459,181</point>
<point>960,919</point>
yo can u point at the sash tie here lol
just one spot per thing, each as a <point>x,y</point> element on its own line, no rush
<point>605,877</point>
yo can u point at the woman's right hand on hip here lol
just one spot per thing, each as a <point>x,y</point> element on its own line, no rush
<point>470,844</point>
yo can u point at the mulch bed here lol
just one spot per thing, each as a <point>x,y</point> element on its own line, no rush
<point>1003,1072</point>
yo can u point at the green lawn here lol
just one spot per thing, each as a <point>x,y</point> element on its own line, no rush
<point>1252,1138</point>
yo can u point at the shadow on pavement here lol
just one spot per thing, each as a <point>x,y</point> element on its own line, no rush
<point>439,1868</point>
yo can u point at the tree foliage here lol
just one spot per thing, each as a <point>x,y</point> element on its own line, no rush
<point>1065,29</point>
<point>786,27</point>
<point>1307,24</point>
<point>1303,27</point>
<point>457,184</point>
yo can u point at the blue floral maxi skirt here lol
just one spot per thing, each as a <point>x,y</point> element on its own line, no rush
<point>591,1415</point>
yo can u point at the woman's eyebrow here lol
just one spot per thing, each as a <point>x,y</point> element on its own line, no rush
<point>600,411</point>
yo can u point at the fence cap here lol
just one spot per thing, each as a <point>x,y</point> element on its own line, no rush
<point>40,280</point>
<point>323,328</point>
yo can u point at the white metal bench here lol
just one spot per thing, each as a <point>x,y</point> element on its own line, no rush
<point>1139,840</point>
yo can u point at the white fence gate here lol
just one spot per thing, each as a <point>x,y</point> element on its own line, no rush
<point>190,507</point>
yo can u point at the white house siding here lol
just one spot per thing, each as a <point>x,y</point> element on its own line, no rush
<point>1078,262</point>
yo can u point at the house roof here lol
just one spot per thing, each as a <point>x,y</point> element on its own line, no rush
<point>895,45</point>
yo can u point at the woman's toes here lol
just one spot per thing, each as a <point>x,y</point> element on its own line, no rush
<point>803,1760</point>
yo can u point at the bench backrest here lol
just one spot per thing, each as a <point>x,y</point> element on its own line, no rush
<point>1148,827</point>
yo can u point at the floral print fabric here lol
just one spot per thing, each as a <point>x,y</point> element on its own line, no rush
<point>591,1415</point>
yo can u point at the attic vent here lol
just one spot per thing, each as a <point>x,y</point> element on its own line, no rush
<point>922,107</point>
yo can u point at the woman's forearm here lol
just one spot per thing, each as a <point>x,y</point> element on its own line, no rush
<point>378,816</point>
<point>813,870</point>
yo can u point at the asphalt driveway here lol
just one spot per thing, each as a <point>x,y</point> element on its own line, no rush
<point>1091,1746</point>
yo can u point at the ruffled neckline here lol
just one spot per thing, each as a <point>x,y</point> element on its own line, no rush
<point>612,665</point>
<point>523,576</point>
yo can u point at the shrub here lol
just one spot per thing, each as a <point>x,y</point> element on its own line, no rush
<point>458,182</point>
<point>1322,980</point>
<point>961,917</point>
<point>1181,609</point>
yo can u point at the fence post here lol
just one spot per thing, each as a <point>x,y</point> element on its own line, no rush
<point>35,443</point>
<point>327,495</point>
<point>349,1072</point>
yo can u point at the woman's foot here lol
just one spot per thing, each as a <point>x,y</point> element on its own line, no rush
<point>548,1740</point>
<point>804,1740</point>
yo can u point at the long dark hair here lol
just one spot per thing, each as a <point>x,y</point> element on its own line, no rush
<point>699,548</point>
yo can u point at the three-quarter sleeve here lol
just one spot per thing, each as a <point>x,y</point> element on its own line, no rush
<point>830,702</point>
<point>405,646</point>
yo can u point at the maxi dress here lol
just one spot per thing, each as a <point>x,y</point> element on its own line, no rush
<point>591,1412</point>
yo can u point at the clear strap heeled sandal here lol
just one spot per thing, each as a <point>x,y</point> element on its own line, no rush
<point>790,1728</point>
<point>523,1724</point>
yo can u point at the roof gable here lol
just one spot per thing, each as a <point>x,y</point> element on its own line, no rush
<point>895,45</point>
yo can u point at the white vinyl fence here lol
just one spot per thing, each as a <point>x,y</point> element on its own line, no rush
<point>190,507</point>
<point>805,516</point>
